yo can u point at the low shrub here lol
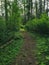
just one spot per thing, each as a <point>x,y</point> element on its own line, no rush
<point>9,53</point>
<point>39,25</point>
<point>42,49</point>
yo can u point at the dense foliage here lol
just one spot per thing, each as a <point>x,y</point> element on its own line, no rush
<point>10,36</point>
<point>8,53</point>
<point>39,25</point>
<point>42,49</point>
<point>39,29</point>
<point>10,25</point>
<point>7,31</point>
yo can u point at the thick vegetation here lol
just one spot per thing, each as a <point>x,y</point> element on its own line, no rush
<point>39,29</point>
<point>42,49</point>
<point>39,25</point>
<point>8,53</point>
<point>10,37</point>
<point>33,17</point>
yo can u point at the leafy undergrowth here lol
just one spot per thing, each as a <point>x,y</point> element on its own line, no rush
<point>42,52</point>
<point>8,53</point>
<point>37,25</point>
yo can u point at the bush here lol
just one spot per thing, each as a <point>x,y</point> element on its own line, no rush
<point>39,25</point>
<point>8,29</point>
<point>9,53</point>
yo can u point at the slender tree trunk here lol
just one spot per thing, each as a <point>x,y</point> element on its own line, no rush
<point>31,8</point>
<point>6,12</point>
<point>36,8</point>
<point>47,7</point>
<point>24,13</point>
<point>44,5</point>
<point>40,7</point>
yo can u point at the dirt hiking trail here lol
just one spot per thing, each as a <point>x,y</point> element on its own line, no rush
<point>26,55</point>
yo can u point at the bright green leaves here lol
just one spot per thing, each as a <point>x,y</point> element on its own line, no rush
<point>47,57</point>
<point>8,53</point>
<point>39,25</point>
<point>42,48</point>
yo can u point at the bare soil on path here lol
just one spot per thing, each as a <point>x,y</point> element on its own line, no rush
<point>27,54</point>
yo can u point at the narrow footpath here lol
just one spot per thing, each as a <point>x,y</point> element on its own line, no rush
<point>27,52</point>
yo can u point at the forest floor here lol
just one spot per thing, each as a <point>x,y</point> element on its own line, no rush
<point>27,54</point>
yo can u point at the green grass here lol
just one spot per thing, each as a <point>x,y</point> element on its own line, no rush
<point>8,53</point>
<point>42,49</point>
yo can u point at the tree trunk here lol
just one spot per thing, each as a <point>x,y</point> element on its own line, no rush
<point>6,12</point>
